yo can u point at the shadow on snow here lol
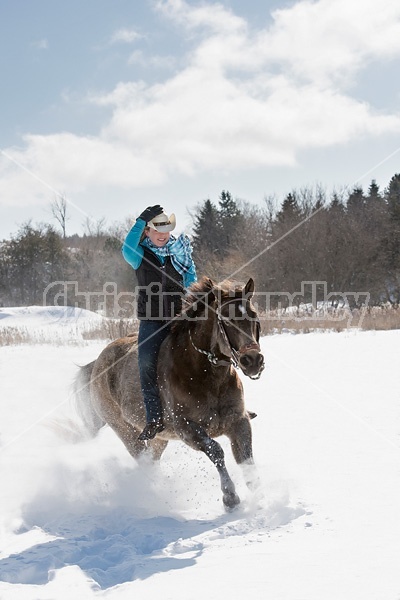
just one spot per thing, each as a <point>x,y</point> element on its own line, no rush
<point>116,547</point>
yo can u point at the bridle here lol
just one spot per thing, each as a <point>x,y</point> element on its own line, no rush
<point>235,355</point>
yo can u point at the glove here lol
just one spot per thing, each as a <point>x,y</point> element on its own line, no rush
<point>151,212</point>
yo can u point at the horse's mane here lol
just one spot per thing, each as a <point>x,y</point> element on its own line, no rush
<point>202,287</point>
<point>202,293</point>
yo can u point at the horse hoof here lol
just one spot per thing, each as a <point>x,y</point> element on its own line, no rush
<point>231,501</point>
<point>254,484</point>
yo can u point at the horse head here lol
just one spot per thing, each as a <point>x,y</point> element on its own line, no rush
<point>239,328</point>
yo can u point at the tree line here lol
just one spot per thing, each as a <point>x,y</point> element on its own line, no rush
<point>349,242</point>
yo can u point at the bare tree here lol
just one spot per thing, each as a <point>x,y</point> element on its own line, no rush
<point>59,212</point>
<point>95,228</point>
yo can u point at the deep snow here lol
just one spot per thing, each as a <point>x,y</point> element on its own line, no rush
<point>85,520</point>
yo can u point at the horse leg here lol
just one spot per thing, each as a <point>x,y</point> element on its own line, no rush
<point>241,443</point>
<point>128,434</point>
<point>156,447</point>
<point>197,438</point>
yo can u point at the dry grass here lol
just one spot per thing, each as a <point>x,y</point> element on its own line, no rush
<point>290,325</point>
<point>111,329</point>
<point>306,320</point>
<point>107,330</point>
<point>273,322</point>
<point>10,336</point>
<point>383,317</point>
<point>15,336</point>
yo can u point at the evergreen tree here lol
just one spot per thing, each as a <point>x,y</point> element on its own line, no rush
<point>290,213</point>
<point>206,237</point>
<point>228,209</point>
<point>336,206</point>
<point>373,191</point>
<point>288,246</point>
<point>230,219</point>
<point>35,257</point>
<point>206,228</point>
<point>393,199</point>
<point>356,202</point>
<point>392,195</point>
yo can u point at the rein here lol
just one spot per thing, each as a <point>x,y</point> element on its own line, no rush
<point>213,358</point>
<point>235,354</point>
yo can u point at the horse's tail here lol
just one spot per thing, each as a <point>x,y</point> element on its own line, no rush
<point>91,421</point>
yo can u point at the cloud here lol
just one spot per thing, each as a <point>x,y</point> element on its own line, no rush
<point>243,98</point>
<point>214,17</point>
<point>328,41</point>
<point>138,57</point>
<point>69,162</point>
<point>126,36</point>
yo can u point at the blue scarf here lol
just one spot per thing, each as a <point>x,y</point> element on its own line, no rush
<point>179,249</point>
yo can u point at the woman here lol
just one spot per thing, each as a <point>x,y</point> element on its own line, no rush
<point>164,268</point>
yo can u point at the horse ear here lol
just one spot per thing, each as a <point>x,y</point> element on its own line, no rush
<point>208,283</point>
<point>249,288</point>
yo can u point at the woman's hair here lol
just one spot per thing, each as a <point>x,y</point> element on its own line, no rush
<point>144,233</point>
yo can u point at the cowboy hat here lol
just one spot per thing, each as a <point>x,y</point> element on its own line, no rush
<point>163,223</point>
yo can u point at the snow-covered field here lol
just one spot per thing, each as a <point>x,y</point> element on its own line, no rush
<point>58,325</point>
<point>85,521</point>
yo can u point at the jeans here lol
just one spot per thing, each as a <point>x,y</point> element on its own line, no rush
<point>151,336</point>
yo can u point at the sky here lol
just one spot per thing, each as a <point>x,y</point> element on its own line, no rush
<point>117,105</point>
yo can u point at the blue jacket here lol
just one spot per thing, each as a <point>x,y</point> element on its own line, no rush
<point>133,252</point>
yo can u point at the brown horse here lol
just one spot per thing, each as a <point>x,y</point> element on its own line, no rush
<point>201,392</point>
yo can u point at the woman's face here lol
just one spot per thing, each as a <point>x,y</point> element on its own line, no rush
<point>159,239</point>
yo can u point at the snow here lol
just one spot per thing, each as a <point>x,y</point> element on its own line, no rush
<point>43,324</point>
<point>86,521</point>
<point>39,316</point>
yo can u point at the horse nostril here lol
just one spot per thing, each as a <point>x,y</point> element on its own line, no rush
<point>252,363</point>
<point>245,361</point>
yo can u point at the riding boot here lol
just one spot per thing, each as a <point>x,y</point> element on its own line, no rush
<point>151,430</point>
